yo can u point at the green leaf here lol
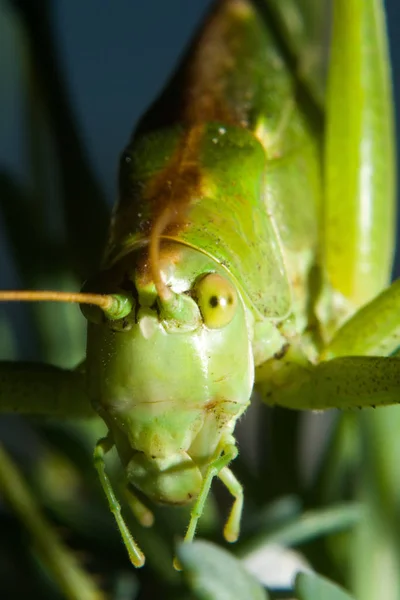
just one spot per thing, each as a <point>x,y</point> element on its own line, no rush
<point>309,586</point>
<point>306,527</point>
<point>318,523</point>
<point>214,574</point>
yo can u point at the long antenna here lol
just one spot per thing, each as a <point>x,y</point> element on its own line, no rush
<point>103,301</point>
<point>115,306</point>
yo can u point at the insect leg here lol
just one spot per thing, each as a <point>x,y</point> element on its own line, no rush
<point>103,446</point>
<point>141,512</point>
<point>40,389</point>
<point>232,526</point>
<point>229,453</point>
<point>344,382</point>
<point>355,368</point>
<point>358,212</point>
<point>374,330</point>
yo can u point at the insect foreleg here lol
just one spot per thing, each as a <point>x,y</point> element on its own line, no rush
<point>374,330</point>
<point>346,382</point>
<point>102,447</point>
<point>40,389</point>
<point>359,372</point>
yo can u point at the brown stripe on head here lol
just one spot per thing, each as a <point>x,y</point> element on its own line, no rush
<point>207,99</point>
<point>171,194</point>
<point>206,86</point>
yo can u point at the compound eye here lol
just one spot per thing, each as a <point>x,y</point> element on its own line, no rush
<point>217,300</point>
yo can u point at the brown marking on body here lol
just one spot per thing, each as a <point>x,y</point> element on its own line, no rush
<point>281,353</point>
<point>221,379</point>
<point>211,65</point>
<point>183,502</point>
<point>170,254</point>
<point>207,98</point>
<point>217,408</point>
<point>211,405</point>
<point>171,194</point>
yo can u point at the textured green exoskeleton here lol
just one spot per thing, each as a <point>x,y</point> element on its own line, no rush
<point>250,225</point>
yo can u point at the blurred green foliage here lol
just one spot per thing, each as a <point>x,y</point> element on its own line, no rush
<point>329,505</point>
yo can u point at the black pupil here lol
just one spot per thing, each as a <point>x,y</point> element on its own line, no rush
<point>214,301</point>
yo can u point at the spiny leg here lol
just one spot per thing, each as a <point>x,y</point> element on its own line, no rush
<point>374,330</point>
<point>232,526</point>
<point>40,389</point>
<point>359,372</point>
<point>345,382</point>
<point>103,446</point>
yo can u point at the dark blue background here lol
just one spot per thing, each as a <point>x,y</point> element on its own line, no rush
<point>117,56</point>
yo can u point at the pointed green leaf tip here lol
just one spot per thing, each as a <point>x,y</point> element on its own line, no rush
<point>309,586</point>
<point>214,574</point>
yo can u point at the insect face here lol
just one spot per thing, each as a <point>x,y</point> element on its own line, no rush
<point>170,386</point>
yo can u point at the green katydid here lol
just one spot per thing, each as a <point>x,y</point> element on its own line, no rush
<point>235,255</point>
